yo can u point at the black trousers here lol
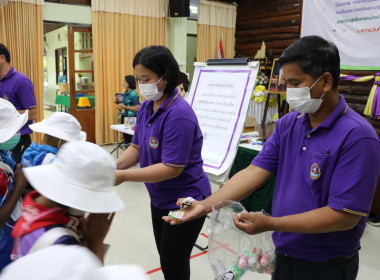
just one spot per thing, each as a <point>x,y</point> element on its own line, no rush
<point>127,137</point>
<point>174,244</point>
<point>288,268</point>
<point>20,148</point>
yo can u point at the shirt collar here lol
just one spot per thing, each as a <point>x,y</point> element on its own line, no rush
<point>10,73</point>
<point>340,110</point>
<point>168,101</point>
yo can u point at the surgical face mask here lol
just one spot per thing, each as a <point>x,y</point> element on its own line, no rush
<point>300,100</point>
<point>150,91</point>
<point>11,143</point>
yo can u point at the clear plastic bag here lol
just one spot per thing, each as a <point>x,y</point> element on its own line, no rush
<point>232,252</point>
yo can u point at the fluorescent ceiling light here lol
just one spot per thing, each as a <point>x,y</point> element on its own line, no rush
<point>193,9</point>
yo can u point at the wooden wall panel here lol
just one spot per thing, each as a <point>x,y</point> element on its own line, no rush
<point>277,22</point>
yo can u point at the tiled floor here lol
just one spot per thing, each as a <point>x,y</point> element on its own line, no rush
<point>131,240</point>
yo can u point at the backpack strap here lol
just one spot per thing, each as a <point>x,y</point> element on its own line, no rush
<point>6,172</point>
<point>50,237</point>
<point>6,168</point>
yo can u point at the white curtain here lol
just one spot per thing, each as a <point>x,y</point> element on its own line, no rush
<point>120,28</point>
<point>215,20</point>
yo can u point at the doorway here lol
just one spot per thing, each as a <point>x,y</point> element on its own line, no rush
<point>191,55</point>
<point>81,78</point>
<point>61,65</point>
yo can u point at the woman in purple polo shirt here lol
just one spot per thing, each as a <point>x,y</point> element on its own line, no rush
<point>167,142</point>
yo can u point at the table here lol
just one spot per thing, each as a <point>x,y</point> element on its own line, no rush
<point>64,100</point>
<point>258,200</point>
<point>261,198</point>
<point>122,128</point>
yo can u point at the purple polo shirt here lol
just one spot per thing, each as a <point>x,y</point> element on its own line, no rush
<point>18,89</point>
<point>172,136</point>
<point>336,164</point>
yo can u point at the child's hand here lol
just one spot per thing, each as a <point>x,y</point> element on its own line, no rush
<point>20,179</point>
<point>193,211</point>
<point>95,228</point>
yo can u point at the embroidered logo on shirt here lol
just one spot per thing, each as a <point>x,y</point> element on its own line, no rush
<point>153,142</point>
<point>315,172</point>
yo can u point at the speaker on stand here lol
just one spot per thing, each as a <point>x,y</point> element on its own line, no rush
<point>179,8</point>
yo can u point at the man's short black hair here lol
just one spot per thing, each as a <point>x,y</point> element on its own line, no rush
<point>160,60</point>
<point>131,80</point>
<point>4,51</point>
<point>315,56</point>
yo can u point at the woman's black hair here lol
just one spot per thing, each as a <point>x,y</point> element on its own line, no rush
<point>160,60</point>
<point>4,51</point>
<point>315,56</point>
<point>131,81</point>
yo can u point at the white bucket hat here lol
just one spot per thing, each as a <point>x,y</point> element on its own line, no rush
<point>60,125</point>
<point>82,177</point>
<point>62,262</point>
<point>118,272</point>
<point>11,121</point>
<point>54,262</point>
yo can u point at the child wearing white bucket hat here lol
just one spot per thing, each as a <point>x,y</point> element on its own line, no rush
<point>68,263</point>
<point>12,182</point>
<point>59,128</point>
<point>81,179</point>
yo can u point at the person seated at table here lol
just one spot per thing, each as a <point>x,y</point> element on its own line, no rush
<point>130,103</point>
<point>59,128</point>
<point>183,85</point>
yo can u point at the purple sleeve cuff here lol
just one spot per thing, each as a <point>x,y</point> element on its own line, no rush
<point>348,209</point>
<point>28,99</point>
<point>355,177</point>
<point>262,165</point>
<point>269,156</point>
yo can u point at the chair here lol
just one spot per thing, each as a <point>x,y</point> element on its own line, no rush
<point>80,94</point>
<point>84,102</point>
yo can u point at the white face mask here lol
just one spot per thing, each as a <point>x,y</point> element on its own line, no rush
<point>150,91</point>
<point>299,99</point>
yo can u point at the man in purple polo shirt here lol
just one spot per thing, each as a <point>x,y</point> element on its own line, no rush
<point>17,89</point>
<point>326,159</point>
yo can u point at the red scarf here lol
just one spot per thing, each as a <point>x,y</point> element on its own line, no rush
<point>31,209</point>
